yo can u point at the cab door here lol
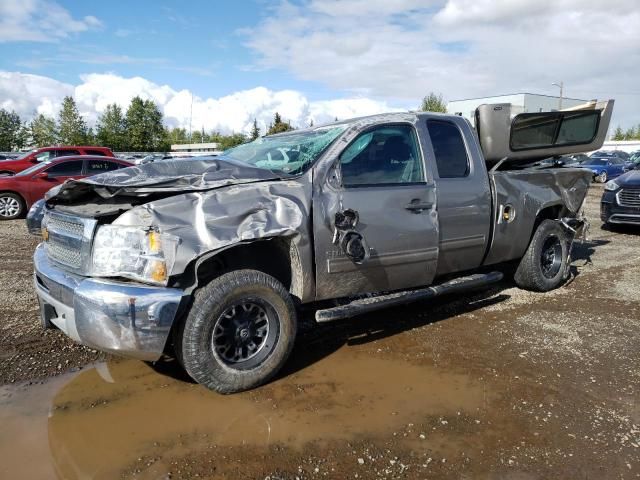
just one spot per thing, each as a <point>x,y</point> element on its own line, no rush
<point>464,195</point>
<point>375,221</point>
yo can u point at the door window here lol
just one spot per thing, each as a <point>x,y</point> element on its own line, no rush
<point>448,146</point>
<point>66,169</point>
<point>387,155</point>
<point>44,156</point>
<point>98,166</point>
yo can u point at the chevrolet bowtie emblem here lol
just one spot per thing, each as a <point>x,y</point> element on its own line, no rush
<point>45,233</point>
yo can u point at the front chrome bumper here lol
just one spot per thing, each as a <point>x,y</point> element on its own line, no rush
<point>125,318</point>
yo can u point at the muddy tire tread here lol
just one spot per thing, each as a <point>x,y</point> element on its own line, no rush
<point>529,274</point>
<point>209,301</point>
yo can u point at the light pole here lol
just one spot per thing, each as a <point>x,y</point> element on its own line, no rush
<point>561,85</point>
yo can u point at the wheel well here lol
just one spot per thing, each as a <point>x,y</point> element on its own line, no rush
<point>552,212</point>
<point>276,257</point>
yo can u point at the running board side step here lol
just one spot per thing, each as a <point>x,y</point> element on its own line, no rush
<point>365,305</point>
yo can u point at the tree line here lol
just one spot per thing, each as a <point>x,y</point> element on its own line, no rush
<point>632,133</point>
<point>139,128</point>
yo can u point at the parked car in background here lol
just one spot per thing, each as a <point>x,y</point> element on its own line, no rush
<point>621,199</point>
<point>20,191</point>
<point>575,159</point>
<point>604,168</point>
<point>611,153</point>
<point>29,159</point>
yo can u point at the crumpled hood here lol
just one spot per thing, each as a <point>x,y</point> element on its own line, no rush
<point>179,175</point>
<point>629,179</point>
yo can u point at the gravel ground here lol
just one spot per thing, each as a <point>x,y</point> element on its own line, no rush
<point>26,351</point>
<point>499,384</point>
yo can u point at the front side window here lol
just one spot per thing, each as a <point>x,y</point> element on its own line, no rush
<point>44,156</point>
<point>449,148</point>
<point>65,169</point>
<point>386,155</point>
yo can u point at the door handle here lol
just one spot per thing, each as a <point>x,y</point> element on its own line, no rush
<point>418,206</point>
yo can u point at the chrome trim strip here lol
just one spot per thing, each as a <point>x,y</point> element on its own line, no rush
<point>613,219</point>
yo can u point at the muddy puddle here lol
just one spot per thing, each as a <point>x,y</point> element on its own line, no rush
<point>99,422</point>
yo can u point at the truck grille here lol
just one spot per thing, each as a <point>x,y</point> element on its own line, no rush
<point>68,240</point>
<point>629,197</point>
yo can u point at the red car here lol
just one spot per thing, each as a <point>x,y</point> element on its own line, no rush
<point>28,159</point>
<point>20,191</point>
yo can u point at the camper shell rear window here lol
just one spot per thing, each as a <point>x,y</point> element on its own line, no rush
<point>553,129</point>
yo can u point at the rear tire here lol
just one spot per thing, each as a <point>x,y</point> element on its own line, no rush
<point>239,331</point>
<point>544,265</point>
<point>12,206</point>
<point>602,177</point>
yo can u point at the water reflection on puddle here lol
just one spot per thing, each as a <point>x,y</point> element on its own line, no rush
<point>95,423</point>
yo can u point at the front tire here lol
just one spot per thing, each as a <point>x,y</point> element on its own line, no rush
<point>12,206</point>
<point>239,331</point>
<point>544,265</point>
<point>602,177</point>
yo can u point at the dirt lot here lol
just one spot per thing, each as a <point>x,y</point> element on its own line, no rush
<point>500,384</point>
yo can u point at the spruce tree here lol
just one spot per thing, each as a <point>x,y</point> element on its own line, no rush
<point>255,131</point>
<point>72,129</point>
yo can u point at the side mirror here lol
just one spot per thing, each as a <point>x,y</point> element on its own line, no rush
<point>41,175</point>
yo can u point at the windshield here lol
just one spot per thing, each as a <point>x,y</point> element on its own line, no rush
<point>291,154</point>
<point>31,169</point>
<point>25,155</point>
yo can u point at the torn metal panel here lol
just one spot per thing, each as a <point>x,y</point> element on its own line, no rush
<point>212,220</point>
<point>526,193</point>
<point>195,174</point>
<point>221,205</point>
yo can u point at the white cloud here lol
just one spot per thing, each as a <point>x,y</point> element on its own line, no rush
<point>401,50</point>
<point>39,21</point>
<point>29,94</point>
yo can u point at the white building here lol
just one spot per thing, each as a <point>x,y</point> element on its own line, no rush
<point>520,103</point>
<point>210,148</point>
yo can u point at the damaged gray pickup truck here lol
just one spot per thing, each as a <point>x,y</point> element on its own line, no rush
<point>211,258</point>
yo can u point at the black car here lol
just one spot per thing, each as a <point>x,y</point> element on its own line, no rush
<point>621,199</point>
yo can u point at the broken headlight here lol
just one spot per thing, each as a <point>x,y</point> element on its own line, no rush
<point>131,252</point>
<point>611,185</point>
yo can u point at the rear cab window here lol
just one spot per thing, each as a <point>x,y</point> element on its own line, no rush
<point>449,149</point>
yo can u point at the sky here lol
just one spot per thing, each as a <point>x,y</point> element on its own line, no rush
<point>219,65</point>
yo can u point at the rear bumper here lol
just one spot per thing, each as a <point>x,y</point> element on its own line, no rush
<point>128,319</point>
